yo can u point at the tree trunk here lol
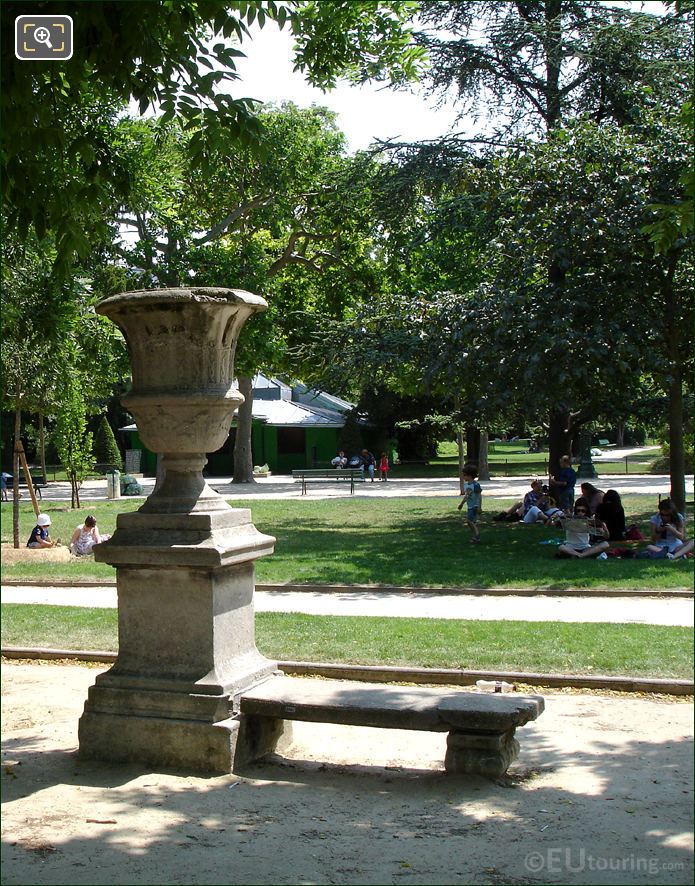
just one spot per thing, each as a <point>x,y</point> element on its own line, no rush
<point>243,455</point>
<point>553,62</point>
<point>558,439</point>
<point>675,440</point>
<point>15,470</point>
<point>42,447</point>
<point>483,466</point>
<point>674,389</point>
<point>462,458</point>
<point>472,445</point>
<point>620,434</point>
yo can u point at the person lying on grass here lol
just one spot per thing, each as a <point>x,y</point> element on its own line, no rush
<point>578,531</point>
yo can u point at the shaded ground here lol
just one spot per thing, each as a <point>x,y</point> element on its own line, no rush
<point>602,793</point>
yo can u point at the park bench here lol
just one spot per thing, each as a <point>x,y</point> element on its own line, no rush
<point>480,726</point>
<point>36,482</point>
<point>329,475</point>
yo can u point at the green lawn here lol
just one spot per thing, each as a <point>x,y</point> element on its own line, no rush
<point>632,650</point>
<point>414,541</point>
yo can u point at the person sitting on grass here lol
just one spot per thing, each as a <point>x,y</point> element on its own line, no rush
<point>668,533</point>
<point>613,515</point>
<point>472,498</point>
<point>40,536</point>
<point>593,495</point>
<point>538,505</point>
<point>577,538</point>
<point>85,537</point>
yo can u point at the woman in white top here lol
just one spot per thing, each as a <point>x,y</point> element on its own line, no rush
<point>85,537</point>
<point>577,543</point>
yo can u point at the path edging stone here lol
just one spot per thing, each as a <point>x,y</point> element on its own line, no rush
<point>379,674</point>
<point>395,589</point>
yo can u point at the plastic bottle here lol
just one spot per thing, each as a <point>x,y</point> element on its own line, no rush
<point>495,686</point>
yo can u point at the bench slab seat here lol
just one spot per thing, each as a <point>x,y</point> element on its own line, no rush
<point>480,726</point>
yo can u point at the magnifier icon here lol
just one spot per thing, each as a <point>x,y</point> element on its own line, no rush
<point>43,35</point>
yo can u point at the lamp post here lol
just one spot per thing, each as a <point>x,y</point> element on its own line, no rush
<point>185,560</point>
<point>586,470</point>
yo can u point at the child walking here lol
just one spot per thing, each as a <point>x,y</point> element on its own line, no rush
<point>384,467</point>
<point>472,498</point>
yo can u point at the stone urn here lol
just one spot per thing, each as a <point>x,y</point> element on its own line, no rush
<point>181,344</point>
<point>185,560</point>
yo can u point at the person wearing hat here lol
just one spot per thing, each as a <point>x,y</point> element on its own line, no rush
<point>40,537</point>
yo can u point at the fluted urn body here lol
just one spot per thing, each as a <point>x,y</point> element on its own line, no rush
<point>185,559</point>
<point>181,344</point>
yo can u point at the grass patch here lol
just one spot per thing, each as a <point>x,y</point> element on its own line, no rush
<point>565,648</point>
<point>421,542</point>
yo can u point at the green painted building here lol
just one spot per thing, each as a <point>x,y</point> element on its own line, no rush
<point>293,427</point>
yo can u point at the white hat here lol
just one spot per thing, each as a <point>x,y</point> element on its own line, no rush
<point>43,520</point>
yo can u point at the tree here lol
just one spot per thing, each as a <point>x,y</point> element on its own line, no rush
<point>527,66</point>
<point>73,442</point>
<point>106,451</point>
<point>273,225</point>
<point>58,119</point>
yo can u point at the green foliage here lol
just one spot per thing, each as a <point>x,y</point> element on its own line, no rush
<point>106,451</point>
<point>59,120</point>
<point>72,441</point>
<point>528,66</point>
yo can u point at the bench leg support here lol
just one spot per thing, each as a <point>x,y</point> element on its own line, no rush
<point>480,753</point>
<point>260,736</point>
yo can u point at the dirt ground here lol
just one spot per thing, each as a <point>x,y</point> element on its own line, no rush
<point>23,554</point>
<point>601,793</point>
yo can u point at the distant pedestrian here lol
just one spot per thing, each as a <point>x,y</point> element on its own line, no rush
<point>384,467</point>
<point>472,499</point>
<point>368,462</point>
<point>4,477</point>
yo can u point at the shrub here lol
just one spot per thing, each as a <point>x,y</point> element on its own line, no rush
<point>106,449</point>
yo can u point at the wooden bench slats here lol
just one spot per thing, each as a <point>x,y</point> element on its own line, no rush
<point>328,475</point>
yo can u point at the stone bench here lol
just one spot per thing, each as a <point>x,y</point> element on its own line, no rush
<point>480,726</point>
<point>329,475</point>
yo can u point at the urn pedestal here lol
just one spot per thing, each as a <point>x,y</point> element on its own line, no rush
<point>185,560</point>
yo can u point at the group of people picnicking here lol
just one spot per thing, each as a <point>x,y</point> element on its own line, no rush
<point>83,539</point>
<point>590,523</point>
<point>365,462</point>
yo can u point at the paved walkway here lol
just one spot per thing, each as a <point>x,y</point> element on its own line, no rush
<point>618,610</point>
<point>283,487</point>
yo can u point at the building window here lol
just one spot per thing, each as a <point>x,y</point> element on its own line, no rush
<point>291,441</point>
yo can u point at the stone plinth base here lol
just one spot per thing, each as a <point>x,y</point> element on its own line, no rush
<point>186,745</point>
<point>186,643</point>
<point>477,753</point>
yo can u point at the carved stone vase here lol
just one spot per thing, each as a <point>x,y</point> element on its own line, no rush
<point>185,559</point>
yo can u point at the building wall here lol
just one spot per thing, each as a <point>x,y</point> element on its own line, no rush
<point>282,449</point>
